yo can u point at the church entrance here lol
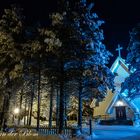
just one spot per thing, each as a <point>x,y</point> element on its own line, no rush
<point>120,112</point>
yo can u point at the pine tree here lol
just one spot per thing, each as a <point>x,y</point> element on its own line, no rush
<point>11,26</point>
<point>93,76</point>
<point>82,50</point>
<point>131,84</point>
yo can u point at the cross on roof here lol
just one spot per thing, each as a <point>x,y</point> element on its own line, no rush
<point>119,49</point>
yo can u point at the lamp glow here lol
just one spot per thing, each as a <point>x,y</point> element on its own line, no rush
<point>119,103</point>
<point>16,110</point>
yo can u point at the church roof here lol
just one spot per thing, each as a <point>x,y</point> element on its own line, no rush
<point>117,62</point>
<point>120,69</point>
<point>119,97</point>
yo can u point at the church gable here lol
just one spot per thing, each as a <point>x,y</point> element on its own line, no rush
<point>117,101</point>
<point>120,69</point>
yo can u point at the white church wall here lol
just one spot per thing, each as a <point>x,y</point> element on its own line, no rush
<point>129,113</point>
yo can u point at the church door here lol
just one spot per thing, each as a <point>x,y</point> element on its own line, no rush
<point>120,112</point>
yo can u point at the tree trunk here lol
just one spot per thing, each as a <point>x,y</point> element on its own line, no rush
<point>25,111</point>
<point>2,113</point>
<point>38,101</point>
<point>65,110</point>
<point>90,126</point>
<point>31,105</point>
<point>20,105</point>
<point>5,108</point>
<point>57,108</point>
<point>80,107</point>
<point>28,113</point>
<point>61,102</point>
<point>51,104</point>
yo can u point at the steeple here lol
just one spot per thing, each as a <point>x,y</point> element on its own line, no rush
<point>119,49</point>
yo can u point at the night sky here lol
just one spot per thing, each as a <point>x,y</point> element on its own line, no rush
<point>120,17</point>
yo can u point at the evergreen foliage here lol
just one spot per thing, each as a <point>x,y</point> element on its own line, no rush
<point>82,58</point>
<point>69,57</point>
<point>11,25</point>
<point>131,84</point>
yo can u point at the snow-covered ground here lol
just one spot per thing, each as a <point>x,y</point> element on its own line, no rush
<point>116,132</point>
<point>101,132</point>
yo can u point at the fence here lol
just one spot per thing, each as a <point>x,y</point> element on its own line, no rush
<point>43,130</point>
<point>52,131</point>
<point>102,117</point>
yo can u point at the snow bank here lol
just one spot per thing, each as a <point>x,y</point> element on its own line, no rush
<point>53,137</point>
<point>64,137</point>
<point>85,137</point>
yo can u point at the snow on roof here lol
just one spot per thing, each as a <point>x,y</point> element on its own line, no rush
<point>119,62</point>
<point>122,71</point>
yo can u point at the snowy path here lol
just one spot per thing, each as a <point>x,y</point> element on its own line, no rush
<point>116,133</point>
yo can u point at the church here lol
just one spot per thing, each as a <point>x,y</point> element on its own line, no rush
<point>116,106</point>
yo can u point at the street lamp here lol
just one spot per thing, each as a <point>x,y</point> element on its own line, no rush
<point>15,115</point>
<point>16,111</point>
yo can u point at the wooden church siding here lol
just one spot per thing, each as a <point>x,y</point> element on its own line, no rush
<point>101,109</point>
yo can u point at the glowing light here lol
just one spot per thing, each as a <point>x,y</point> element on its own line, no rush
<point>16,110</point>
<point>119,103</point>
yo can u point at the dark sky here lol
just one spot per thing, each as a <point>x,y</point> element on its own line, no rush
<point>120,17</point>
